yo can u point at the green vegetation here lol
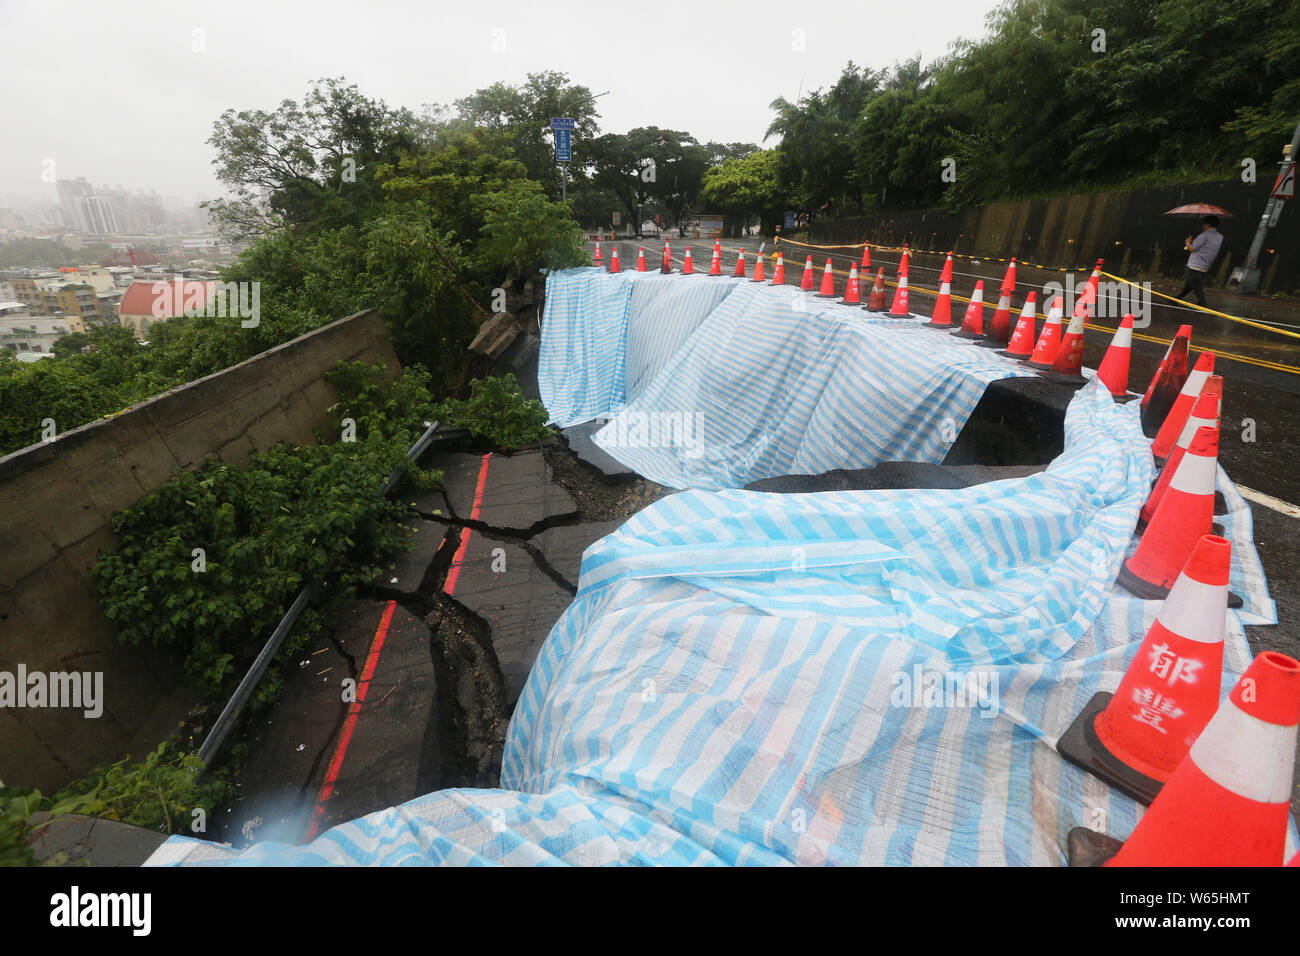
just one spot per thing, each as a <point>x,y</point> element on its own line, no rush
<point>498,411</point>
<point>1040,105</point>
<point>295,514</point>
<point>159,793</point>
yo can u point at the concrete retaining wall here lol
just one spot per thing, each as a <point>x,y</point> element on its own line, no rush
<point>56,501</point>
<point>1127,228</point>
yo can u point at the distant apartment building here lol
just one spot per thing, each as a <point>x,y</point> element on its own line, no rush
<point>83,211</point>
<point>88,292</point>
<point>145,302</point>
<point>33,336</point>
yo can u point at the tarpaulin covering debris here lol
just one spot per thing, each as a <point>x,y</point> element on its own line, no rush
<point>713,383</point>
<point>871,677</point>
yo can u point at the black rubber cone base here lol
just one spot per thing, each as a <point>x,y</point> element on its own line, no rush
<point>1064,378</point>
<point>1022,359</point>
<point>1154,592</point>
<point>1125,398</point>
<point>847,302</point>
<point>1041,366</point>
<point>883,308</point>
<point>991,344</point>
<point>963,334</point>
<point>1082,747</point>
<point>905,315</point>
<point>825,295</point>
<point>1088,848</point>
<point>935,325</point>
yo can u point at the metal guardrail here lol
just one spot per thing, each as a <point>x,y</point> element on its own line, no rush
<point>243,693</point>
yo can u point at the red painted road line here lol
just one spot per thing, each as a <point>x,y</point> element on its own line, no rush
<point>340,751</point>
<point>372,661</point>
<point>453,575</point>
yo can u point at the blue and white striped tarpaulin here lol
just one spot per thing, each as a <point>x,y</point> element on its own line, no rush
<point>872,677</point>
<point>713,383</point>
<point>604,336</point>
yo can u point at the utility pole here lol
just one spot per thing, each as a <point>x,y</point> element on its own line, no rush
<point>1247,277</point>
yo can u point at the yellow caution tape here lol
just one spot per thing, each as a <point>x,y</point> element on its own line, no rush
<point>1209,311</point>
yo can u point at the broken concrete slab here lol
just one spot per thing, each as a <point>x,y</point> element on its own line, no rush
<point>496,334</point>
<point>606,465</point>
<point>518,493</point>
<point>395,753</point>
<point>893,475</point>
<point>563,546</point>
<point>501,583</point>
<point>409,567</point>
<point>459,481</point>
<point>291,745</point>
<point>75,840</point>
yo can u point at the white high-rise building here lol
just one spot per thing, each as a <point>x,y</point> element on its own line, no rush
<point>83,210</point>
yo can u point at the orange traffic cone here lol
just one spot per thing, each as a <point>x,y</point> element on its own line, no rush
<point>1167,382</point>
<point>640,259</point>
<point>1172,426</point>
<point>998,332</point>
<point>941,317</point>
<point>808,277</point>
<point>1021,345</point>
<point>1227,803</point>
<point>1068,366</point>
<point>740,266</point>
<point>596,261</point>
<point>1094,281</point>
<point>876,300</point>
<point>1135,738</point>
<point>688,267</point>
<point>1113,370</point>
<point>613,260</point>
<point>1205,414</point>
<point>827,291</point>
<point>758,267</point>
<point>666,266</point>
<point>1049,340</point>
<point>715,267</point>
<point>864,267</point>
<point>778,274</point>
<point>1185,512</point>
<point>900,310</point>
<point>972,324</point>
<point>852,294</point>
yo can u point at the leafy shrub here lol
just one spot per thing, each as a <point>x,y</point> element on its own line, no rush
<point>159,793</point>
<point>293,515</point>
<point>498,411</point>
<point>16,805</point>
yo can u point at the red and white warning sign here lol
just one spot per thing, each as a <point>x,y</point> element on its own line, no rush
<point>1284,188</point>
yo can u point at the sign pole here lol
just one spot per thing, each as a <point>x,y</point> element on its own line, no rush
<point>1248,274</point>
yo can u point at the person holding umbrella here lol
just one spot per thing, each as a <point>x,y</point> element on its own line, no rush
<point>1203,249</point>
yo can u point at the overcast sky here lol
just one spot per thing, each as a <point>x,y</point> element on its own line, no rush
<point>117,93</point>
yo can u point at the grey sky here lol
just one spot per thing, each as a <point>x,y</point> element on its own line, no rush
<point>115,92</point>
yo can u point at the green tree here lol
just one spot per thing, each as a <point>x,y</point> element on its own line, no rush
<point>746,189</point>
<point>313,161</point>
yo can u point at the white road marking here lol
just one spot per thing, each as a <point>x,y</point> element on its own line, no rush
<point>1268,501</point>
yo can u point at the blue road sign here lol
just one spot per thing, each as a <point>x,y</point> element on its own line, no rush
<point>790,220</point>
<point>561,123</point>
<point>563,146</point>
